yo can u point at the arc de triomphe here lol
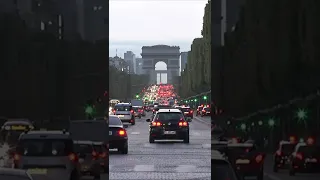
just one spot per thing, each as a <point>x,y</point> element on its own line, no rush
<point>167,54</point>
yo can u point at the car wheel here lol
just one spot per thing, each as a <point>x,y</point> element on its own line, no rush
<point>292,171</point>
<point>275,168</point>
<point>260,176</point>
<point>133,123</point>
<point>151,139</point>
<point>186,139</point>
<point>96,177</point>
<point>139,117</point>
<point>124,149</point>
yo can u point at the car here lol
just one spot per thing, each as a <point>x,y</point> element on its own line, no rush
<point>187,111</point>
<point>103,152</point>
<point>47,154</point>
<point>11,130</point>
<point>137,111</point>
<point>305,158</point>
<point>206,111</point>
<point>221,168</point>
<point>168,124</point>
<point>142,111</point>
<point>281,156</point>
<point>125,112</point>
<point>199,109</point>
<point>246,160</point>
<point>14,174</point>
<point>118,137</point>
<point>89,158</point>
<point>220,146</point>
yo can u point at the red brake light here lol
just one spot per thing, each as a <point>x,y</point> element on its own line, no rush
<point>259,158</point>
<point>191,111</point>
<point>310,141</point>
<point>299,156</point>
<point>72,157</point>
<point>278,153</point>
<point>122,132</point>
<point>132,111</point>
<point>183,123</point>
<point>94,154</point>
<point>103,155</point>
<point>156,124</point>
<point>203,110</point>
<point>16,157</point>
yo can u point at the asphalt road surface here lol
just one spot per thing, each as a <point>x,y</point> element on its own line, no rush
<point>163,160</point>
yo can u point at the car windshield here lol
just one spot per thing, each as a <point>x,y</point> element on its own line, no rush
<point>114,121</point>
<point>169,116</point>
<point>13,177</point>
<point>123,108</point>
<point>185,109</point>
<point>45,147</point>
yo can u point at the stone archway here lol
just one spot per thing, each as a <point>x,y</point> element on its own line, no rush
<point>154,54</point>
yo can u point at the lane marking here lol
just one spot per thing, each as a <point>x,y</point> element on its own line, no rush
<point>185,168</point>
<point>273,177</point>
<point>206,146</point>
<point>195,134</point>
<point>135,133</point>
<point>144,168</point>
<point>148,145</point>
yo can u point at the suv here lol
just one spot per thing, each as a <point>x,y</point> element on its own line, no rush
<point>169,124</point>
<point>125,112</point>
<point>220,167</point>
<point>47,154</point>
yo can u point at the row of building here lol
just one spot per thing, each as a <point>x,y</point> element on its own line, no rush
<point>133,65</point>
<point>67,19</point>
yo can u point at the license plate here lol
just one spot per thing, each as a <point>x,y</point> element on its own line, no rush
<point>169,132</point>
<point>110,132</point>
<point>37,171</point>
<point>81,160</point>
<point>311,160</point>
<point>243,161</point>
<point>186,112</point>
<point>120,116</point>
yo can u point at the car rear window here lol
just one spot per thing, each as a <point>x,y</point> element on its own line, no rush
<point>83,148</point>
<point>222,171</point>
<point>287,148</point>
<point>309,150</point>
<point>185,109</point>
<point>207,109</point>
<point>45,147</point>
<point>123,108</point>
<point>114,121</point>
<point>169,116</point>
<point>200,108</point>
<point>12,177</point>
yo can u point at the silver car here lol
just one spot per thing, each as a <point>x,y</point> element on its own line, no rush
<point>125,112</point>
<point>47,154</point>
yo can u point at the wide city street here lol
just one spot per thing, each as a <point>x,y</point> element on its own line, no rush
<point>164,160</point>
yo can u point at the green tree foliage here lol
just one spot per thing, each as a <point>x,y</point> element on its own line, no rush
<point>124,86</point>
<point>196,77</point>
<point>42,77</point>
<point>272,55</point>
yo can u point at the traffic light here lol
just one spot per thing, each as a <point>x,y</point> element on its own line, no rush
<point>205,97</point>
<point>137,96</point>
<point>271,122</point>
<point>89,109</point>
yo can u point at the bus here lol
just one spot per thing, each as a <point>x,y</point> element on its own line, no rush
<point>112,103</point>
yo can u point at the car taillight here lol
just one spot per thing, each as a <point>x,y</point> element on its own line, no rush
<point>191,111</point>
<point>183,123</point>
<point>132,111</point>
<point>103,155</point>
<point>73,157</point>
<point>156,124</point>
<point>16,157</point>
<point>278,153</point>
<point>299,156</point>
<point>122,132</point>
<point>203,110</point>
<point>259,158</point>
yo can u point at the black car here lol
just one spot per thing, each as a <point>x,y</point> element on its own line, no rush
<point>14,174</point>
<point>118,135</point>
<point>169,124</point>
<point>188,112</point>
<point>220,167</point>
<point>281,157</point>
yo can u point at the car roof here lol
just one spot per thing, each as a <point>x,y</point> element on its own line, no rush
<point>17,122</point>
<point>169,110</point>
<point>10,171</point>
<point>88,142</point>
<point>240,145</point>
<point>45,134</point>
<point>123,104</point>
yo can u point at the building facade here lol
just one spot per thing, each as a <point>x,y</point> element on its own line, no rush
<point>130,58</point>
<point>184,60</point>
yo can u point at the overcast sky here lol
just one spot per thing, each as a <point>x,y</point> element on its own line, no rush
<point>137,23</point>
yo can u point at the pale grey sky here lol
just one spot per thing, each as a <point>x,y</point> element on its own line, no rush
<point>137,23</point>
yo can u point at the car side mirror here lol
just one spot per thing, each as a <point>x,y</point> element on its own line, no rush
<point>189,119</point>
<point>125,126</point>
<point>148,120</point>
